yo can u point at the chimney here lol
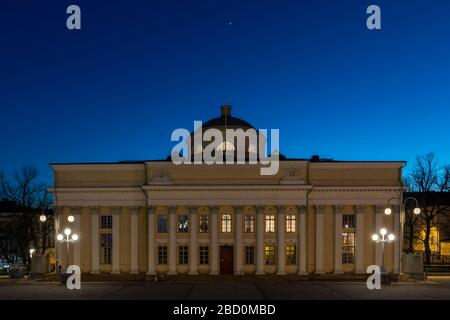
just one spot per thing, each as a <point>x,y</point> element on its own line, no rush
<point>225,110</point>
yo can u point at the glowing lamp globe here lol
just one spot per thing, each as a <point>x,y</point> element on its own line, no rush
<point>375,237</point>
<point>388,211</point>
<point>67,231</point>
<point>383,231</point>
<point>59,237</point>
<point>43,218</point>
<point>417,210</point>
<point>391,237</point>
<point>74,237</point>
<point>70,219</point>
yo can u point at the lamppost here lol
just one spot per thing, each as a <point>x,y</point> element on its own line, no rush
<point>383,241</point>
<point>388,211</point>
<point>68,240</point>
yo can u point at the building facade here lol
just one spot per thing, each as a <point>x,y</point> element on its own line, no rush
<point>313,217</point>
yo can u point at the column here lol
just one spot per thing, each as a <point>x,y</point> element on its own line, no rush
<point>301,248</point>
<point>398,241</point>
<point>260,240</point>
<point>59,215</point>
<point>338,240</point>
<point>151,256</point>
<point>193,245</point>
<point>95,241</point>
<point>134,241</point>
<point>116,240</point>
<point>238,241</point>
<point>214,247</point>
<point>76,230</point>
<point>319,239</point>
<point>172,240</point>
<point>359,249</point>
<point>379,213</point>
<point>281,251</point>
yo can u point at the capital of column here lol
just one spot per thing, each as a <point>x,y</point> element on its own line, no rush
<point>260,209</point>
<point>172,209</point>
<point>115,210</point>
<point>214,209</point>
<point>75,210</point>
<point>94,210</point>
<point>320,209</point>
<point>239,209</point>
<point>281,209</point>
<point>193,209</point>
<point>133,210</point>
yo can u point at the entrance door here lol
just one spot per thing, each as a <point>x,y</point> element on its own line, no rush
<point>226,259</point>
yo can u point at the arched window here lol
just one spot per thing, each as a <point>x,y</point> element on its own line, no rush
<point>226,223</point>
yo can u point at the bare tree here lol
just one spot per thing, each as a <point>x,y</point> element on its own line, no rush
<point>429,178</point>
<point>31,198</point>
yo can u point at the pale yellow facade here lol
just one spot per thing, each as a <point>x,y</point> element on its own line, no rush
<point>320,195</point>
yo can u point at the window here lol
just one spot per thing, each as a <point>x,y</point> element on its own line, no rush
<point>183,224</point>
<point>348,247</point>
<point>162,254</point>
<point>290,223</point>
<point>162,223</point>
<point>226,223</point>
<point>348,221</point>
<point>204,223</point>
<point>269,254</point>
<point>249,255</point>
<point>106,222</point>
<point>270,223</point>
<point>183,255</point>
<point>106,248</point>
<point>204,255</point>
<point>249,223</point>
<point>291,254</point>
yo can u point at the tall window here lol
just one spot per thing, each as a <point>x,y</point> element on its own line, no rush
<point>204,255</point>
<point>162,254</point>
<point>183,255</point>
<point>249,223</point>
<point>106,248</point>
<point>162,223</point>
<point>204,223</point>
<point>183,223</point>
<point>249,255</point>
<point>291,254</point>
<point>269,253</point>
<point>106,222</point>
<point>290,223</point>
<point>348,247</point>
<point>348,221</point>
<point>226,223</point>
<point>270,223</point>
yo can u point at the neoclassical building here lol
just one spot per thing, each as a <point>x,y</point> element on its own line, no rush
<point>315,216</point>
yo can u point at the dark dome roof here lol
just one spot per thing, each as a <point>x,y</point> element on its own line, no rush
<point>226,119</point>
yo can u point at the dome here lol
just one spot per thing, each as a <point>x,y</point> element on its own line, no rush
<point>227,120</point>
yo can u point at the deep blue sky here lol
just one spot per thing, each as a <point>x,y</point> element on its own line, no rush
<point>116,89</point>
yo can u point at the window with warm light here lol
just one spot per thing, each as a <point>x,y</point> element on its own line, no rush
<point>270,223</point>
<point>291,254</point>
<point>226,223</point>
<point>290,223</point>
<point>204,223</point>
<point>348,221</point>
<point>249,223</point>
<point>348,247</point>
<point>269,254</point>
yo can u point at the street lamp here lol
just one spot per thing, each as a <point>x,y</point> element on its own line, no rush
<point>70,218</point>
<point>383,240</point>
<point>68,240</point>
<point>43,218</point>
<point>388,211</point>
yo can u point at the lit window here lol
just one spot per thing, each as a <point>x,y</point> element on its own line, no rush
<point>106,222</point>
<point>225,146</point>
<point>204,255</point>
<point>204,223</point>
<point>269,254</point>
<point>270,223</point>
<point>183,222</point>
<point>106,248</point>
<point>162,254</point>
<point>249,223</point>
<point>348,247</point>
<point>291,254</point>
<point>162,223</point>
<point>290,223</point>
<point>226,223</point>
<point>249,255</point>
<point>183,255</point>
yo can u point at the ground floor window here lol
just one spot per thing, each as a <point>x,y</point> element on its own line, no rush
<point>250,255</point>
<point>348,247</point>
<point>204,255</point>
<point>291,254</point>
<point>106,248</point>
<point>183,255</point>
<point>269,254</point>
<point>162,254</point>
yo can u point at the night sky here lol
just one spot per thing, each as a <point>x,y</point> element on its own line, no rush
<point>137,70</point>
